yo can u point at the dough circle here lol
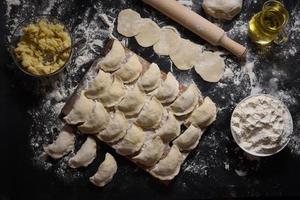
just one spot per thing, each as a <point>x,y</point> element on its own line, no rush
<point>168,42</point>
<point>126,22</point>
<point>186,55</point>
<point>222,9</point>
<point>149,33</point>
<point>210,66</point>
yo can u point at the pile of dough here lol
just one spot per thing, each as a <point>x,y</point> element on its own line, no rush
<point>105,172</point>
<point>210,66</point>
<point>222,9</point>
<point>63,144</point>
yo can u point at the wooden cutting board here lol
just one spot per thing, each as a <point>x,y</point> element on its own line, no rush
<point>92,73</point>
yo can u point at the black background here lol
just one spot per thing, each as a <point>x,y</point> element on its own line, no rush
<point>270,177</point>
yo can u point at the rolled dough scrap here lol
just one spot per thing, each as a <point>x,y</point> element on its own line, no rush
<point>210,66</point>
<point>126,22</point>
<point>168,42</point>
<point>186,55</point>
<point>149,33</point>
<point>222,9</point>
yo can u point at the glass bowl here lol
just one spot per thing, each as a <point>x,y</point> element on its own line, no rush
<point>17,36</point>
<point>288,134</point>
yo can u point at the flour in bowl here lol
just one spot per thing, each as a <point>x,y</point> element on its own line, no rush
<point>261,125</point>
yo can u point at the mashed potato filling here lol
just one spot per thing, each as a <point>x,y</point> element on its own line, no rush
<point>40,39</point>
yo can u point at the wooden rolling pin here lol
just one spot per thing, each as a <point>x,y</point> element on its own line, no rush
<point>197,24</point>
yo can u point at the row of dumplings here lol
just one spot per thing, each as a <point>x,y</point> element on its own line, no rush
<point>166,41</point>
<point>137,114</point>
<point>65,143</point>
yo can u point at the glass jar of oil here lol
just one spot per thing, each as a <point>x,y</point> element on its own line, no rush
<point>269,24</point>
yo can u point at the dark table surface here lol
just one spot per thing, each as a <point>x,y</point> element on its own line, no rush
<point>269,177</point>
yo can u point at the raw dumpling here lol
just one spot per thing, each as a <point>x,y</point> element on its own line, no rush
<point>100,84</point>
<point>81,110</point>
<point>105,172</point>
<point>189,139</point>
<point>149,32</point>
<point>168,90</point>
<point>96,120</point>
<point>133,102</point>
<point>132,142</point>
<point>210,66</point>
<point>170,129</point>
<point>151,152</point>
<point>168,41</point>
<point>114,94</point>
<point>150,79</point>
<point>115,130</point>
<point>186,102</point>
<point>111,62</point>
<point>127,20</point>
<point>204,115</point>
<point>222,9</point>
<point>63,144</point>
<point>186,55</point>
<point>131,70</point>
<point>168,167</point>
<point>151,114</point>
<point>85,155</point>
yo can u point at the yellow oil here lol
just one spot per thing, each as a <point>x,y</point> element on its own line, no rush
<point>265,26</point>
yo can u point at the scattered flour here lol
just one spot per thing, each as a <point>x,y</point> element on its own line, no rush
<point>187,3</point>
<point>240,172</point>
<point>261,125</point>
<point>96,28</point>
<point>10,4</point>
<point>226,165</point>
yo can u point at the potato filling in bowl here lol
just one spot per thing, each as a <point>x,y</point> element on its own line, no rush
<point>39,40</point>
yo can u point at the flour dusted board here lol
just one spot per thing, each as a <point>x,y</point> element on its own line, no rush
<point>154,151</point>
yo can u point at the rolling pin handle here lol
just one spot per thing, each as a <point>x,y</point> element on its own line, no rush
<point>232,46</point>
<point>197,24</point>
